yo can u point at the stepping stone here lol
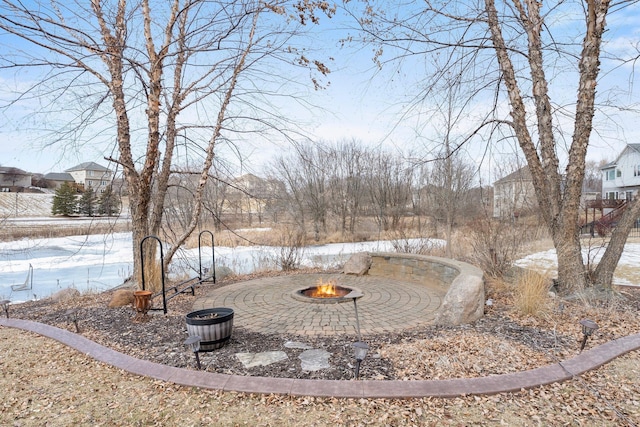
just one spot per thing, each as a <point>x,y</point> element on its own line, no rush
<point>250,360</point>
<point>296,344</point>
<point>315,360</point>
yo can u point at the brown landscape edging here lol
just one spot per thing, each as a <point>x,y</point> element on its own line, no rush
<point>562,371</point>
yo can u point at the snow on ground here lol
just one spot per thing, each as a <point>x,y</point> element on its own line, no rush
<point>96,262</point>
<point>100,262</point>
<point>25,204</point>
<point>627,272</point>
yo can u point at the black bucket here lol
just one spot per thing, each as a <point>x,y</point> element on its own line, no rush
<point>212,325</point>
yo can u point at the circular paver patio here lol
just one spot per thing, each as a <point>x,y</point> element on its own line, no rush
<point>267,305</point>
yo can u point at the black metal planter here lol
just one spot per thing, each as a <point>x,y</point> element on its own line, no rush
<point>212,325</point>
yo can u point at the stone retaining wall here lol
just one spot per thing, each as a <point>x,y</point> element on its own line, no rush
<point>464,283</point>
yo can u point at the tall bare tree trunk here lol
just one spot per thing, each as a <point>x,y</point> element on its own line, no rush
<point>560,208</point>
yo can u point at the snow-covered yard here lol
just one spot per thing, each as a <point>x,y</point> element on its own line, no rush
<point>100,262</point>
<point>627,273</point>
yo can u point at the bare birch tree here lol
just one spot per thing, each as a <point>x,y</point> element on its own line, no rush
<point>147,71</point>
<point>516,54</point>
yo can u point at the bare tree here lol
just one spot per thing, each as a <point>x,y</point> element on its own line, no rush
<point>451,176</point>
<point>345,164</point>
<point>286,171</point>
<point>449,184</point>
<point>316,190</point>
<point>151,70</point>
<point>512,52</point>
<point>593,174</point>
<point>321,180</point>
<point>216,197</point>
<point>389,182</point>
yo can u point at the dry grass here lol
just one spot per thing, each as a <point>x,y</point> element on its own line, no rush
<point>630,273</point>
<point>46,383</point>
<point>16,232</point>
<point>536,244</point>
<point>531,294</point>
<point>153,276</point>
<point>499,286</point>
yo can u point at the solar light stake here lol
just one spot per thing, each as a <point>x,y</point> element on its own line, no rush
<point>588,327</point>
<point>5,306</point>
<point>357,319</point>
<point>72,315</point>
<point>360,349</point>
<point>355,295</point>
<point>194,343</point>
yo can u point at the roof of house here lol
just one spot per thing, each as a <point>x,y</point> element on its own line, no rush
<point>522,174</point>
<point>608,165</point>
<point>13,170</point>
<point>59,176</point>
<point>634,147</point>
<point>88,166</point>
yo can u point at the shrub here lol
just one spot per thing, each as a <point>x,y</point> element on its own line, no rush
<point>292,242</point>
<point>402,243</point>
<point>497,244</point>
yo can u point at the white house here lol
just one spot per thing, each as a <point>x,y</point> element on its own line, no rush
<point>621,178</point>
<point>92,175</point>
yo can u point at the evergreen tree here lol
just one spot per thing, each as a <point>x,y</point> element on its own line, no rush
<point>64,201</point>
<point>87,202</point>
<point>109,202</point>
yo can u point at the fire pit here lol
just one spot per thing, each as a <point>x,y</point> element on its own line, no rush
<point>324,293</point>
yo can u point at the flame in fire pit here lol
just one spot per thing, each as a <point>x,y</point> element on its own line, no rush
<point>323,290</point>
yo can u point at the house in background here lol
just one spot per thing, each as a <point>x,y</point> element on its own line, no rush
<point>92,175</point>
<point>13,178</point>
<point>621,178</point>
<point>56,179</point>
<point>514,194</point>
<point>620,184</point>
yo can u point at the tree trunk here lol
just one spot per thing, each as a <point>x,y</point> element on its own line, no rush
<point>559,207</point>
<point>571,269</point>
<point>603,274</point>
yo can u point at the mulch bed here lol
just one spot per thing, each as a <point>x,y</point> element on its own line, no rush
<point>501,342</point>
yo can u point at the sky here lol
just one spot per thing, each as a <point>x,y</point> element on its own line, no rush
<point>361,102</point>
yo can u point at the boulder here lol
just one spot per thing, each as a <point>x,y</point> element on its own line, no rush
<point>223,272</point>
<point>121,298</point>
<point>464,301</point>
<point>358,264</point>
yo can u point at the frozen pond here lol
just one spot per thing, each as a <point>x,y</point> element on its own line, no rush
<point>101,262</point>
<point>96,262</point>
